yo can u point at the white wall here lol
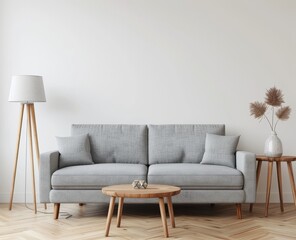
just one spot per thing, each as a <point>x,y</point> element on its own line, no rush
<point>139,62</point>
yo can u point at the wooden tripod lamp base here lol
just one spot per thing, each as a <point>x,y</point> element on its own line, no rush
<point>27,89</point>
<point>32,132</point>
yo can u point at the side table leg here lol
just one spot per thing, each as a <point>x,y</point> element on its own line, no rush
<point>110,214</point>
<point>269,177</point>
<point>119,213</point>
<point>171,211</point>
<point>257,180</point>
<point>279,178</point>
<point>290,170</point>
<point>163,217</point>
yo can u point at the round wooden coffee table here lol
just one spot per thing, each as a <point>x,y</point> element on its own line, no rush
<point>152,191</point>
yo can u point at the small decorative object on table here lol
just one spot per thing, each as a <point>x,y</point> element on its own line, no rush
<point>273,101</point>
<point>139,184</point>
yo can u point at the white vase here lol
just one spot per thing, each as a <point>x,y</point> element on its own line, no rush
<point>273,146</point>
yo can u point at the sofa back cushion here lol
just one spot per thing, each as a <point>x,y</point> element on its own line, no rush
<point>179,143</point>
<point>116,143</point>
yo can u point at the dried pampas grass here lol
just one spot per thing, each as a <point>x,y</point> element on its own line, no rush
<point>258,109</point>
<point>283,113</point>
<point>274,98</point>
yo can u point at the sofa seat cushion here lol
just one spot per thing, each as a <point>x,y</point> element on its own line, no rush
<point>196,176</point>
<point>97,176</point>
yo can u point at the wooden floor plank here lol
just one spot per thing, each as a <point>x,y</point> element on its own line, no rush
<point>142,221</point>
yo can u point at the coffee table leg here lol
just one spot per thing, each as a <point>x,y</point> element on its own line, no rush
<point>110,214</point>
<point>171,211</point>
<point>119,213</point>
<point>163,217</point>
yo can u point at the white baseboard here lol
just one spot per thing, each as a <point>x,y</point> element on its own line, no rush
<point>20,197</point>
<point>17,197</point>
<point>274,197</point>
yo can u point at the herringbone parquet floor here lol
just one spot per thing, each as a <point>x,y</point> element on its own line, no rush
<point>142,221</point>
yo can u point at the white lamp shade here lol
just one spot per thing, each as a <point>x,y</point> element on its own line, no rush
<point>27,89</point>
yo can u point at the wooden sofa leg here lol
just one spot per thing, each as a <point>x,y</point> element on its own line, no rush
<point>56,210</point>
<point>239,210</point>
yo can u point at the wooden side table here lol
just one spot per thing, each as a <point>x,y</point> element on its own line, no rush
<point>278,161</point>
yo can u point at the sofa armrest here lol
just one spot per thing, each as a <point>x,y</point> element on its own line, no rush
<point>246,163</point>
<point>49,163</point>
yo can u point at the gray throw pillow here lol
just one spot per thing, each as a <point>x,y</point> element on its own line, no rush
<point>220,150</point>
<point>74,150</point>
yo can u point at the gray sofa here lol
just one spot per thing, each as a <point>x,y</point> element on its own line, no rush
<point>164,154</point>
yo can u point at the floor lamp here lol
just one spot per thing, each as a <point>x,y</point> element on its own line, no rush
<point>27,89</point>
